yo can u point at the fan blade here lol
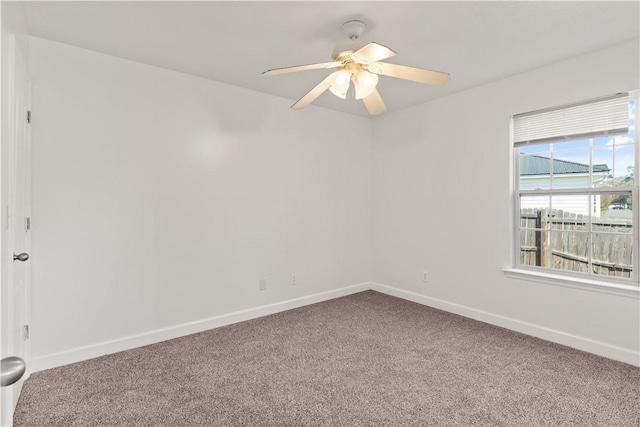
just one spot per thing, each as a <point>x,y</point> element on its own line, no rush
<point>374,103</point>
<point>373,52</point>
<point>314,93</point>
<point>420,75</point>
<point>301,68</point>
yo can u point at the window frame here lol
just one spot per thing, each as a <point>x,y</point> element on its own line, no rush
<point>568,277</point>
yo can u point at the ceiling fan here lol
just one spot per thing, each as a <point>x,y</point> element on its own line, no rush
<point>359,62</point>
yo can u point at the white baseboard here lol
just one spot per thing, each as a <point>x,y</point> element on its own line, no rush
<point>127,343</point>
<point>625,355</point>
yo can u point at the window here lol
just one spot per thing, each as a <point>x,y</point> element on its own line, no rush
<point>575,189</point>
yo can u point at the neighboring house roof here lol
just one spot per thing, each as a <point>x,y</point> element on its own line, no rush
<point>538,165</point>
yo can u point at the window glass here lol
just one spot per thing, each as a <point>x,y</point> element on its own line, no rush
<point>535,148</point>
<point>575,197</point>
<point>570,212</point>
<point>571,169</point>
<point>534,247</point>
<point>624,165</point>
<point>535,171</point>
<point>612,254</point>
<point>570,251</point>
<point>572,145</point>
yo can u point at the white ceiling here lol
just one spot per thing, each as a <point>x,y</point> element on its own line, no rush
<point>233,42</point>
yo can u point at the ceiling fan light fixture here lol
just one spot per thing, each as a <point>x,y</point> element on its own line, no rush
<point>359,62</point>
<point>365,83</point>
<point>367,79</point>
<point>342,77</point>
<point>340,85</point>
<point>340,91</point>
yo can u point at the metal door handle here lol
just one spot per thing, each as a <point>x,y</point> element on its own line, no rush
<point>21,257</point>
<point>12,370</point>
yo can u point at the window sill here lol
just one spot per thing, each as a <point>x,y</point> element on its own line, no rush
<point>630,291</point>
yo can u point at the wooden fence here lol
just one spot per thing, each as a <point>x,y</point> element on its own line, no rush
<point>566,235</point>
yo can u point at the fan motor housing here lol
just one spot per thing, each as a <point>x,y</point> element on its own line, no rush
<point>345,48</point>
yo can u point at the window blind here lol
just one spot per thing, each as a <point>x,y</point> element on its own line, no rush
<point>604,116</point>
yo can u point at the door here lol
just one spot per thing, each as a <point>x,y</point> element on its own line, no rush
<point>16,224</point>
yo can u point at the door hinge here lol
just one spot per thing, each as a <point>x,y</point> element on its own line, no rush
<point>28,116</point>
<point>25,332</point>
<point>27,223</point>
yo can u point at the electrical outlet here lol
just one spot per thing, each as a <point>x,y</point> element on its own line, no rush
<point>425,276</point>
<point>262,284</point>
<point>294,279</point>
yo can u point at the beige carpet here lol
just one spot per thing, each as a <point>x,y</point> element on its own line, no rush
<point>363,360</point>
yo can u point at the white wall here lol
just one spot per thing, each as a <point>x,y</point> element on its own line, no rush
<point>442,203</point>
<point>162,198</point>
